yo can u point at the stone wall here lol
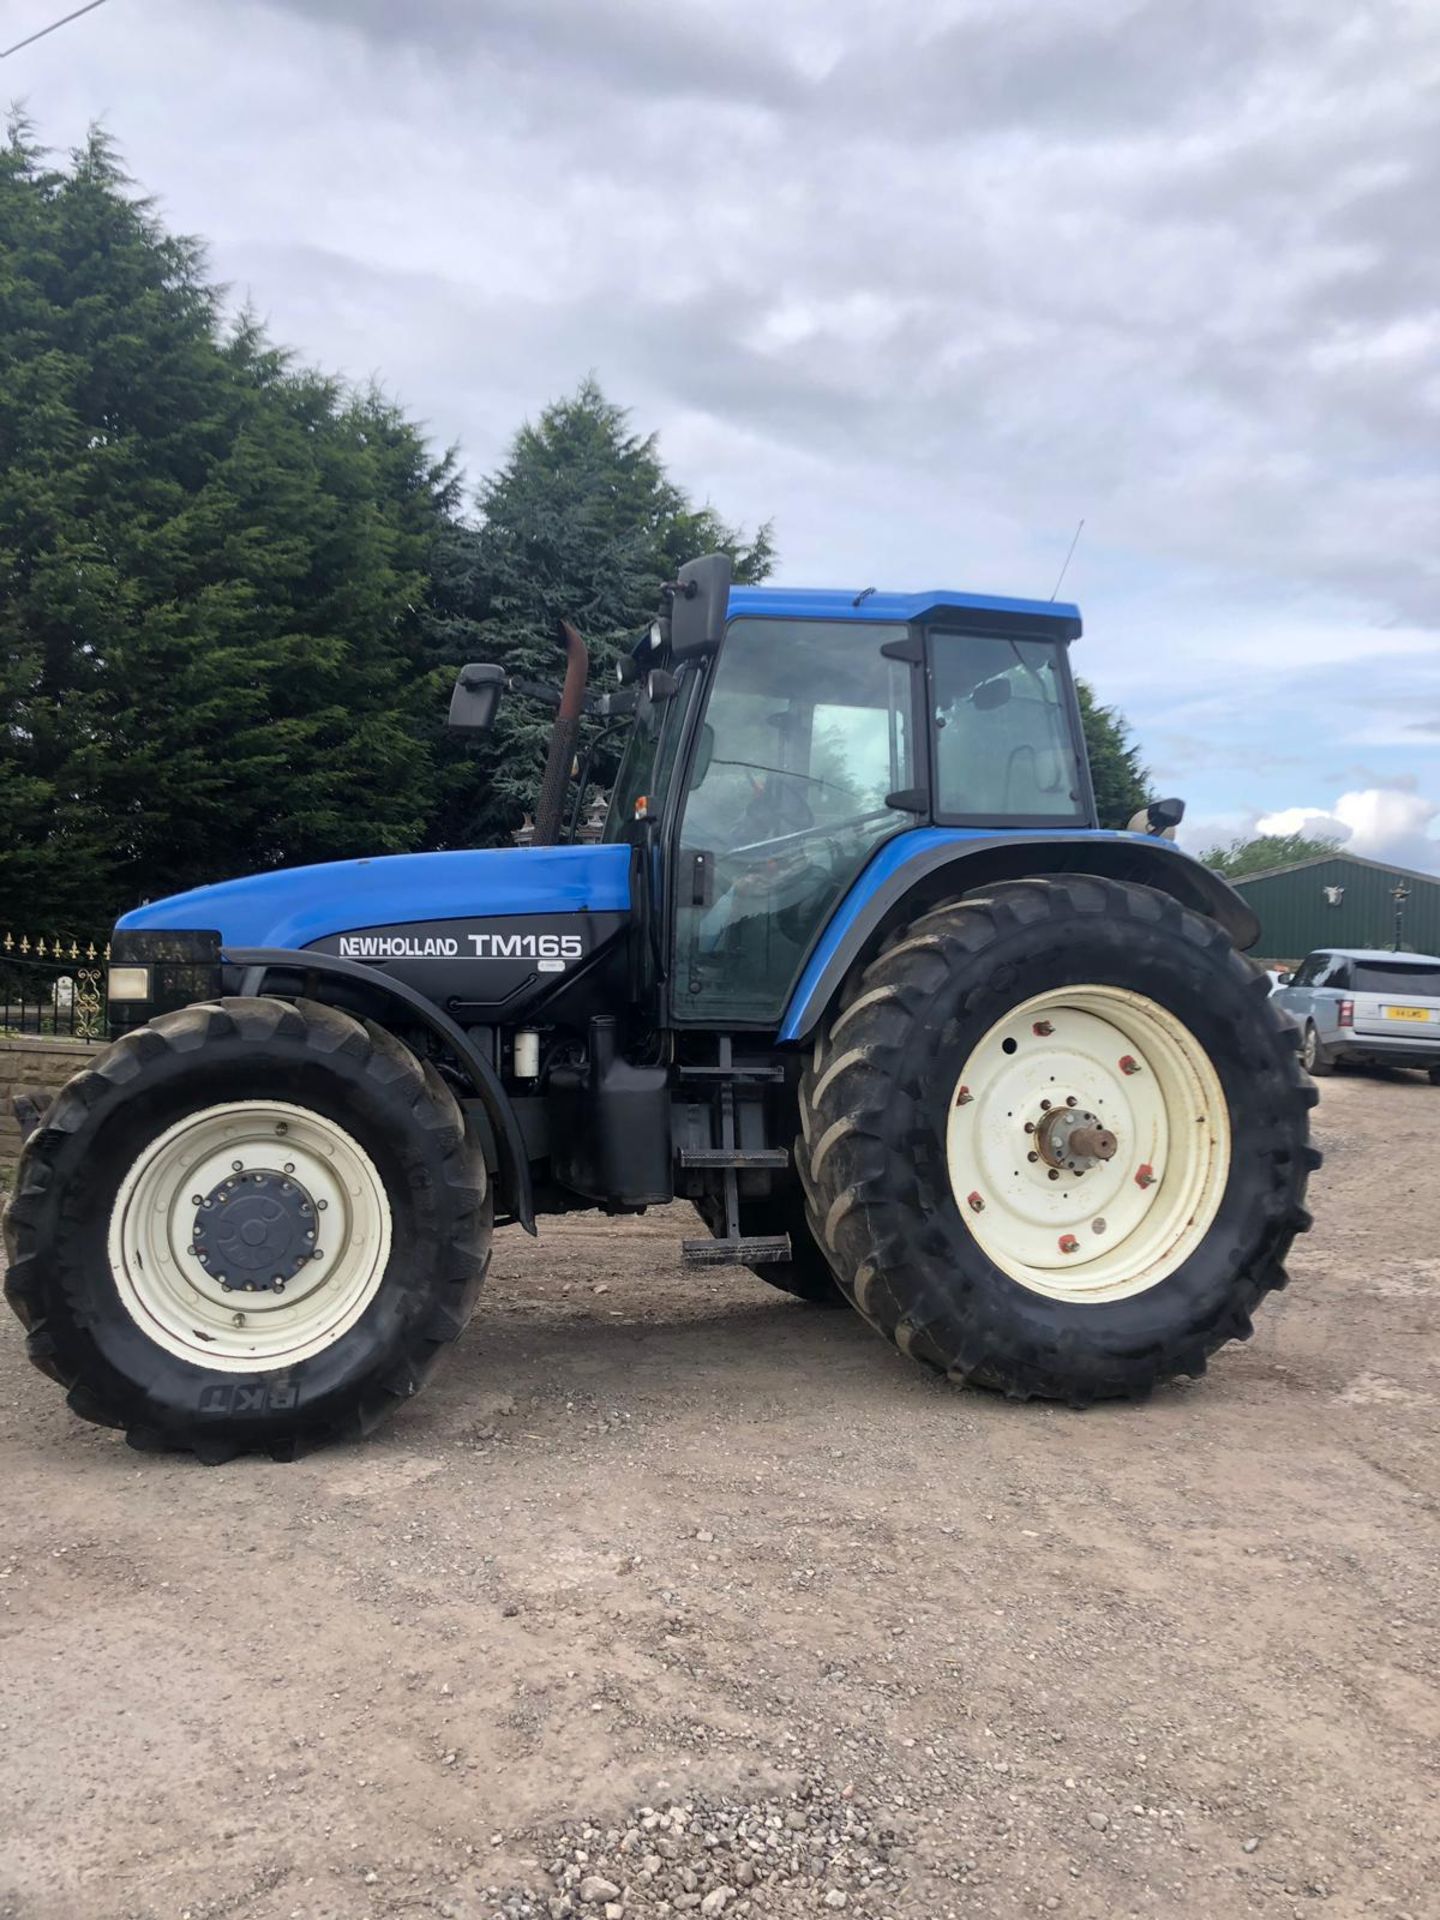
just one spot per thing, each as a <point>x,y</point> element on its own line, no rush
<point>31,1063</point>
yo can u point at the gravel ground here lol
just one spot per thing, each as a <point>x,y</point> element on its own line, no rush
<point>671,1595</point>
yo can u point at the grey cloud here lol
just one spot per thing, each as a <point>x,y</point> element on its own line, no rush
<point>642,47</point>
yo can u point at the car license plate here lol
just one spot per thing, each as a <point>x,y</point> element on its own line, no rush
<point>1407,1013</point>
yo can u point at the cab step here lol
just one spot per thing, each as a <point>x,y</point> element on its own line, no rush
<point>756,1250</point>
<point>751,1158</point>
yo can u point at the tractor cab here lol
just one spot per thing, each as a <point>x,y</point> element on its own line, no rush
<point>784,736</point>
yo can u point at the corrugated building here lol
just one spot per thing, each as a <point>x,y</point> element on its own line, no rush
<point>1340,900</point>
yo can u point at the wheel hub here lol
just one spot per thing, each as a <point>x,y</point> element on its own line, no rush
<point>1074,1140</point>
<point>254,1231</point>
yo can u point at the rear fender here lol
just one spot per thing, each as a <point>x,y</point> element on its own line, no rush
<point>914,870</point>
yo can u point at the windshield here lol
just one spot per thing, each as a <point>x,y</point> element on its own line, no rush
<point>1397,976</point>
<point>646,764</point>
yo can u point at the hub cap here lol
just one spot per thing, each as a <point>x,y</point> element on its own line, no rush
<point>250,1236</point>
<point>1088,1143</point>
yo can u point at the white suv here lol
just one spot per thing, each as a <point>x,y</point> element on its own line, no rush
<point>1365,1008</point>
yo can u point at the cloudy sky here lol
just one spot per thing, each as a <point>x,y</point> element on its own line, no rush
<point>927,283</point>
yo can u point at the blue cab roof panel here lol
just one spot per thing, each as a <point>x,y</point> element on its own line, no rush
<point>893,609</point>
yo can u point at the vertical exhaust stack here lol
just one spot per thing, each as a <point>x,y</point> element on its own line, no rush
<point>564,739</point>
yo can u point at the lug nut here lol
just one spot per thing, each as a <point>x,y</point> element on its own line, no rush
<point>318,1254</point>
<point>1145,1177</point>
<point>289,1166</point>
<point>975,1203</point>
<point>321,1204</point>
<point>1054,1173</point>
<point>1045,1106</point>
<point>1029,1126</point>
<point>1129,1064</point>
<point>1071,1101</point>
<point>1032,1156</point>
<point>1043,1028</point>
<point>1068,1243</point>
<point>197,1199</point>
<point>237,1166</point>
<point>282,1126</point>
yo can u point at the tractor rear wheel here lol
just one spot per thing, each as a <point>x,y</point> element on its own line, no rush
<point>251,1225</point>
<point>1057,1140</point>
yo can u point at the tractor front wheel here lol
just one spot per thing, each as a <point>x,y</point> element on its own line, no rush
<point>251,1225</point>
<point>1056,1140</point>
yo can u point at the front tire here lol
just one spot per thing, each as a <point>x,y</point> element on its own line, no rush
<point>962,1211</point>
<point>251,1225</point>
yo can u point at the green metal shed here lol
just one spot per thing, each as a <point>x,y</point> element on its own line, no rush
<point>1340,900</point>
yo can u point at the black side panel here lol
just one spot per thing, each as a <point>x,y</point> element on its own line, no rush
<point>496,970</point>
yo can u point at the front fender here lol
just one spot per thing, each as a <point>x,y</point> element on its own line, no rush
<point>931,863</point>
<point>260,964</point>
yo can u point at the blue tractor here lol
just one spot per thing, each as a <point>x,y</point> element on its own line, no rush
<point>852,967</point>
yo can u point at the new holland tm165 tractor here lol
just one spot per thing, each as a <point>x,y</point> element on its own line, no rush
<point>852,967</point>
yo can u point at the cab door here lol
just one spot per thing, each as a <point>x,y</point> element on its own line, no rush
<point>804,763</point>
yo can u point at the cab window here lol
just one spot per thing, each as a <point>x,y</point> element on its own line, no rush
<point>807,732</point>
<point>1004,741</point>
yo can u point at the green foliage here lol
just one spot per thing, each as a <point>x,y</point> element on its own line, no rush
<point>213,573</point>
<point>1258,854</point>
<point>580,522</point>
<point>1122,784</point>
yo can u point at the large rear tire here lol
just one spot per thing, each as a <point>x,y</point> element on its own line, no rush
<point>250,1225</point>
<point>1056,1140</point>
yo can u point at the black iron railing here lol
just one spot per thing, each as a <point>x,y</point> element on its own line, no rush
<point>52,988</point>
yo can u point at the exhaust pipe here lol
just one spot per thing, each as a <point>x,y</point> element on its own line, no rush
<point>564,739</point>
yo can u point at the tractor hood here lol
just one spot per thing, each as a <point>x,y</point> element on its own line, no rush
<point>296,906</point>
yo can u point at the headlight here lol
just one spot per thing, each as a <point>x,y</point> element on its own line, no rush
<point>129,983</point>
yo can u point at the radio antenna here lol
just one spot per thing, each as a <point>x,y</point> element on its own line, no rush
<point>1068,558</point>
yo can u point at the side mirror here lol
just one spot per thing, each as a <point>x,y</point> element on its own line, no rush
<point>1160,818</point>
<point>1286,979</point>
<point>476,698</point>
<point>694,609</point>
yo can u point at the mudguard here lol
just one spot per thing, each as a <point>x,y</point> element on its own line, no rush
<point>259,963</point>
<point>972,857</point>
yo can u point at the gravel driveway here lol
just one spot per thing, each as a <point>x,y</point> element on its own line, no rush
<point>672,1595</point>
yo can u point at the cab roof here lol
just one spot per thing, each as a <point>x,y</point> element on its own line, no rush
<point>1060,617</point>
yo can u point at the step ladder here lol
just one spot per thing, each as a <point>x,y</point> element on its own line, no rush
<point>731,1248</point>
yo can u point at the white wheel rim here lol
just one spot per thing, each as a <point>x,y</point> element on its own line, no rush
<point>1119,1226</point>
<point>278,1193</point>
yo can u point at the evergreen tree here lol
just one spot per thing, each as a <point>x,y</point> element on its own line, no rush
<point>581,522</point>
<point>1122,784</point>
<point>213,573</point>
